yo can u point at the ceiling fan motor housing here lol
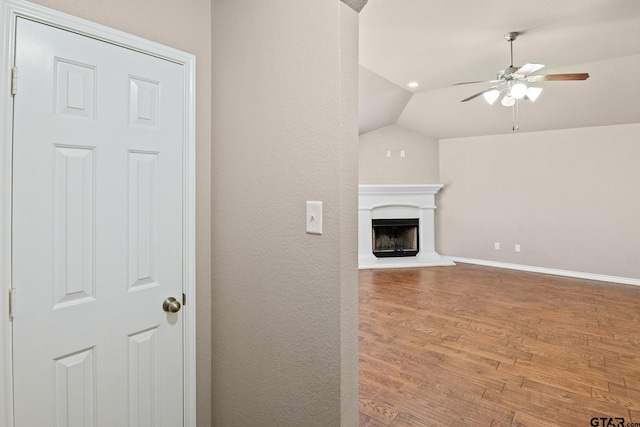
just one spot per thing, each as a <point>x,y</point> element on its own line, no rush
<point>508,73</point>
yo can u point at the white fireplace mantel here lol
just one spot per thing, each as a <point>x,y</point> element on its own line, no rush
<point>398,201</point>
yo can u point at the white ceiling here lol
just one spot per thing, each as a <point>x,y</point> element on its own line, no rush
<point>442,42</point>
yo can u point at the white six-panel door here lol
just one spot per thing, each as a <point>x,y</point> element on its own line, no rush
<point>97,233</point>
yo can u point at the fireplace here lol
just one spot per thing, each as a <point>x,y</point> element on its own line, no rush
<point>395,237</point>
<point>396,226</point>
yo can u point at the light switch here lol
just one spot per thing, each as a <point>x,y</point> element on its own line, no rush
<point>314,217</point>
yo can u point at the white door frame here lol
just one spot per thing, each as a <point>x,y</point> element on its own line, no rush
<point>9,11</point>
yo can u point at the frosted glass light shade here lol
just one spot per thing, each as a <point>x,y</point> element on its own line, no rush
<point>518,90</point>
<point>491,96</point>
<point>507,101</point>
<point>533,93</point>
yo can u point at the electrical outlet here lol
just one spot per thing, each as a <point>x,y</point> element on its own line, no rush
<point>517,248</point>
<point>496,246</point>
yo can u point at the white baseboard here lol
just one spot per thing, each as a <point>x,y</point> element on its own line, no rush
<point>543,270</point>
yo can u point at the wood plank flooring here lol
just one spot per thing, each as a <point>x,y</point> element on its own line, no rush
<point>481,346</point>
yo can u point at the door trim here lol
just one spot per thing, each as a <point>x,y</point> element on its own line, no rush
<point>10,10</point>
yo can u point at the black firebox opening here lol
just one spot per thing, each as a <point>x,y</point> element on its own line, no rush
<point>395,237</point>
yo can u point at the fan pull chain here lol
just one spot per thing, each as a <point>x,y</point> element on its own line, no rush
<point>514,111</point>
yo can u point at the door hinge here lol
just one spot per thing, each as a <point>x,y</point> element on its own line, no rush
<point>14,80</point>
<point>184,299</point>
<point>12,303</point>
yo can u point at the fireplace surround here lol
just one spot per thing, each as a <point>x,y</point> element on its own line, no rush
<point>398,202</point>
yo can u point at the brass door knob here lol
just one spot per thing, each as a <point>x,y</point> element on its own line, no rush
<point>171,305</point>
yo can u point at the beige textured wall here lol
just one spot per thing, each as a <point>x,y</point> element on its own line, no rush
<point>419,166</point>
<point>349,25</point>
<point>570,198</point>
<point>280,138</point>
<point>184,25</point>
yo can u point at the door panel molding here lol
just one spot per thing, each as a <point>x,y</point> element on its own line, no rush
<point>10,10</point>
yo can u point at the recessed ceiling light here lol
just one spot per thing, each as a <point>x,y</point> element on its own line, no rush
<point>413,84</point>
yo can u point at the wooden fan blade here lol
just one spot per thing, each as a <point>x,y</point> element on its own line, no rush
<point>558,77</point>
<point>527,69</point>
<point>478,81</point>
<point>478,94</point>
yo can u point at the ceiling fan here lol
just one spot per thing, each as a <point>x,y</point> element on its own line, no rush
<point>512,81</point>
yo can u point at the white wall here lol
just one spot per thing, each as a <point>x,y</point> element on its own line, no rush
<point>381,101</point>
<point>184,25</point>
<point>284,132</point>
<point>419,166</point>
<point>570,198</point>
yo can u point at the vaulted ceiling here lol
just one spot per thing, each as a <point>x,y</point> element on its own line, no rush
<point>441,42</point>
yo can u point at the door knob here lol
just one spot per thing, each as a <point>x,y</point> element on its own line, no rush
<point>171,305</point>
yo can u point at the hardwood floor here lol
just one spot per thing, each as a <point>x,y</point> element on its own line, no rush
<point>482,346</point>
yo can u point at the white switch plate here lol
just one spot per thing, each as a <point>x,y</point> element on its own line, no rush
<point>314,217</point>
<point>517,248</point>
<point>496,246</point>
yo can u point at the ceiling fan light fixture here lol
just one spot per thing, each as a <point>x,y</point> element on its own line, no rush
<point>508,101</point>
<point>513,81</point>
<point>518,90</point>
<point>491,96</point>
<point>533,93</point>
